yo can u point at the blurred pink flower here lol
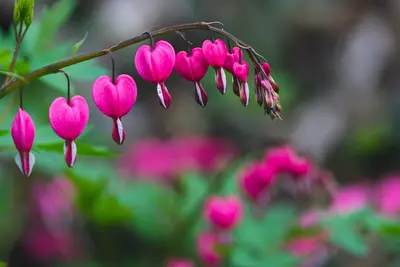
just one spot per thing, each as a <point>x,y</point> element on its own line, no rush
<point>283,159</point>
<point>207,243</point>
<point>310,218</point>
<point>388,195</point>
<point>255,180</point>
<point>223,212</point>
<point>350,199</point>
<point>50,235</point>
<point>180,263</point>
<point>154,158</point>
<point>305,246</point>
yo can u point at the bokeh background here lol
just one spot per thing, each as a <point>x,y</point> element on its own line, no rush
<point>337,64</point>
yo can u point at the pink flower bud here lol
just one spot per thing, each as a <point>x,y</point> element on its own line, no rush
<point>241,72</point>
<point>266,68</point>
<point>223,212</point>
<point>207,248</point>
<point>68,122</point>
<point>255,179</point>
<point>193,67</point>
<point>23,135</point>
<point>180,263</point>
<point>115,100</point>
<point>155,66</point>
<point>215,54</point>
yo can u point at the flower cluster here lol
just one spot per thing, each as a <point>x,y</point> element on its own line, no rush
<point>257,178</point>
<point>115,96</point>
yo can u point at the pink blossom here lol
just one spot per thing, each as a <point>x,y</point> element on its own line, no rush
<point>155,65</point>
<point>68,121</point>
<point>23,135</point>
<point>349,199</point>
<point>180,263</point>
<point>223,212</point>
<point>193,67</point>
<point>305,246</point>
<point>115,99</point>
<point>241,72</point>
<point>388,195</point>
<point>255,180</point>
<point>215,53</point>
<point>207,244</point>
<point>154,158</point>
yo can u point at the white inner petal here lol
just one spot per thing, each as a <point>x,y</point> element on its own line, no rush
<point>160,95</point>
<point>18,162</point>
<point>120,130</point>
<point>198,92</point>
<point>246,91</point>
<point>32,161</point>
<point>223,75</point>
<point>73,152</point>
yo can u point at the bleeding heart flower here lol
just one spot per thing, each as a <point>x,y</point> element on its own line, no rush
<point>258,89</point>
<point>156,65</point>
<point>68,121</point>
<point>223,212</point>
<point>241,71</point>
<point>193,67</point>
<point>231,58</point>
<point>115,100</point>
<point>23,135</point>
<point>215,53</point>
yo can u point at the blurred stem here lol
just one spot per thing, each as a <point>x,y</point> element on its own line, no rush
<point>182,229</point>
<point>55,67</point>
<point>19,37</point>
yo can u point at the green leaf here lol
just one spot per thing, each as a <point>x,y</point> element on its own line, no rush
<point>150,202</point>
<point>5,58</point>
<point>13,74</point>
<point>194,188</point>
<point>79,44</point>
<point>84,149</point>
<point>107,210</point>
<point>51,20</point>
<point>4,132</point>
<point>344,235</point>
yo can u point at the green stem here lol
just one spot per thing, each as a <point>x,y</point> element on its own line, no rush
<point>55,67</point>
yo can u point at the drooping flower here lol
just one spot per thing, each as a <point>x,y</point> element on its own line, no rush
<point>241,71</point>
<point>180,263</point>
<point>231,58</point>
<point>193,67</point>
<point>255,180</point>
<point>388,196</point>
<point>115,100</point>
<point>155,65</point>
<point>23,135</point>
<point>68,120</point>
<point>223,212</point>
<point>207,244</point>
<point>215,54</point>
<point>153,158</point>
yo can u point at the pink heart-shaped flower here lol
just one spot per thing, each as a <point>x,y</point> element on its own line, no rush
<point>155,65</point>
<point>192,67</point>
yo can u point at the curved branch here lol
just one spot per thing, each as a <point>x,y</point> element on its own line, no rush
<point>55,67</point>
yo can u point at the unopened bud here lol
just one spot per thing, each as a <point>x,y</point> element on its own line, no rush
<point>23,11</point>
